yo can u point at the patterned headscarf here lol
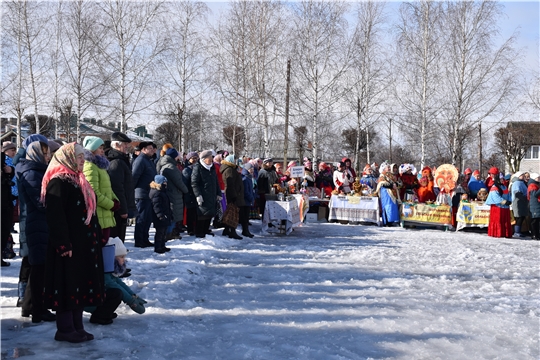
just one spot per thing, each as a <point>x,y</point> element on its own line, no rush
<point>64,166</point>
<point>34,153</point>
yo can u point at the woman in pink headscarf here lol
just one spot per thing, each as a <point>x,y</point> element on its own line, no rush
<point>74,264</point>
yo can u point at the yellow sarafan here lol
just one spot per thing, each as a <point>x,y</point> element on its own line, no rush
<point>446,177</point>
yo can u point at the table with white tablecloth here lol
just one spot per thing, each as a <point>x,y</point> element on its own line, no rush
<point>354,208</point>
<point>284,215</point>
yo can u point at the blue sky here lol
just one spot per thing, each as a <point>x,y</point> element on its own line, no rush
<point>522,16</point>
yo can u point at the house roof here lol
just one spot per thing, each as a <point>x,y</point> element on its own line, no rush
<point>531,127</point>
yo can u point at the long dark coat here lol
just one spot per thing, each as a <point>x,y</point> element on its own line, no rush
<point>205,183</point>
<point>77,281</point>
<point>189,198</point>
<point>122,181</point>
<point>29,175</point>
<point>234,187</point>
<point>533,192</point>
<point>176,188</point>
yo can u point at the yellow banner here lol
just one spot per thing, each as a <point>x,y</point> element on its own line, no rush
<point>437,214</point>
<point>473,213</point>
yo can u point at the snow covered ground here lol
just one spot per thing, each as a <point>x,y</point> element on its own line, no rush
<point>327,291</point>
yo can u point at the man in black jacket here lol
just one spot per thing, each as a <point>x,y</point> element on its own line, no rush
<point>121,182</point>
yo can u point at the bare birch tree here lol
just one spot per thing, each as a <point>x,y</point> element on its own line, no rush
<point>82,77</point>
<point>368,73</point>
<point>183,63</point>
<point>418,71</point>
<point>479,76</point>
<point>128,55</point>
<point>323,56</point>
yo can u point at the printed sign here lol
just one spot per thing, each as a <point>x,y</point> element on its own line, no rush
<point>297,171</point>
<point>436,214</point>
<point>472,213</point>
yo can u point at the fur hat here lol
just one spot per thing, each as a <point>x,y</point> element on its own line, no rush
<point>119,247</point>
<point>160,179</point>
<point>206,154</point>
<point>493,171</point>
<point>6,145</point>
<point>172,153</point>
<point>118,136</point>
<point>92,143</point>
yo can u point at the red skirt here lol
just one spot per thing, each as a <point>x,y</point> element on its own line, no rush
<point>499,222</point>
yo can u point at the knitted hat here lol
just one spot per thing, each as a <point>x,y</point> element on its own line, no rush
<point>467,171</point>
<point>53,146</point>
<point>6,145</point>
<point>493,171</point>
<point>230,158</point>
<point>172,153</point>
<point>248,166</point>
<point>78,149</point>
<point>92,143</point>
<point>476,172</point>
<point>206,154</point>
<point>508,176</point>
<point>160,179</point>
<point>534,176</point>
<point>192,155</point>
<point>119,247</point>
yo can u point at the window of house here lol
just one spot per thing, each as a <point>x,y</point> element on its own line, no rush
<point>532,153</point>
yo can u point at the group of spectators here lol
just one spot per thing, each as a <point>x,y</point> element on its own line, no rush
<point>74,200</point>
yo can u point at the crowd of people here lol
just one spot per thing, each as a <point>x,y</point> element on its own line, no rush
<point>76,200</point>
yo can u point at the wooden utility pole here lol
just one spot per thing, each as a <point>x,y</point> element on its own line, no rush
<point>480,165</point>
<point>287,99</point>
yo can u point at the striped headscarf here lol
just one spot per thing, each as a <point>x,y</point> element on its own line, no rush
<point>34,152</point>
<point>64,166</point>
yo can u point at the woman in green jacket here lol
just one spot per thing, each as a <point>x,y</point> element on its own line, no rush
<point>95,171</point>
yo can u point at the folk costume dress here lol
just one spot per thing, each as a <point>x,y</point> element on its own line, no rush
<point>389,197</point>
<point>499,216</point>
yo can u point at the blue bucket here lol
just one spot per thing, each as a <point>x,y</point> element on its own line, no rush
<point>108,258</point>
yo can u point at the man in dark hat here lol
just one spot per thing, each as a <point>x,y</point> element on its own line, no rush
<point>144,171</point>
<point>266,180</point>
<point>121,182</point>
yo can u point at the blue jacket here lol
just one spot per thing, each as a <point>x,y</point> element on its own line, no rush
<point>144,171</point>
<point>249,192</point>
<point>494,198</point>
<point>534,195</point>
<point>30,174</point>
<point>520,204</point>
<point>475,186</point>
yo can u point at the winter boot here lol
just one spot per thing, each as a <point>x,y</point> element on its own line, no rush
<point>246,233</point>
<point>517,232</point>
<point>234,235</point>
<point>22,289</point>
<point>226,231</point>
